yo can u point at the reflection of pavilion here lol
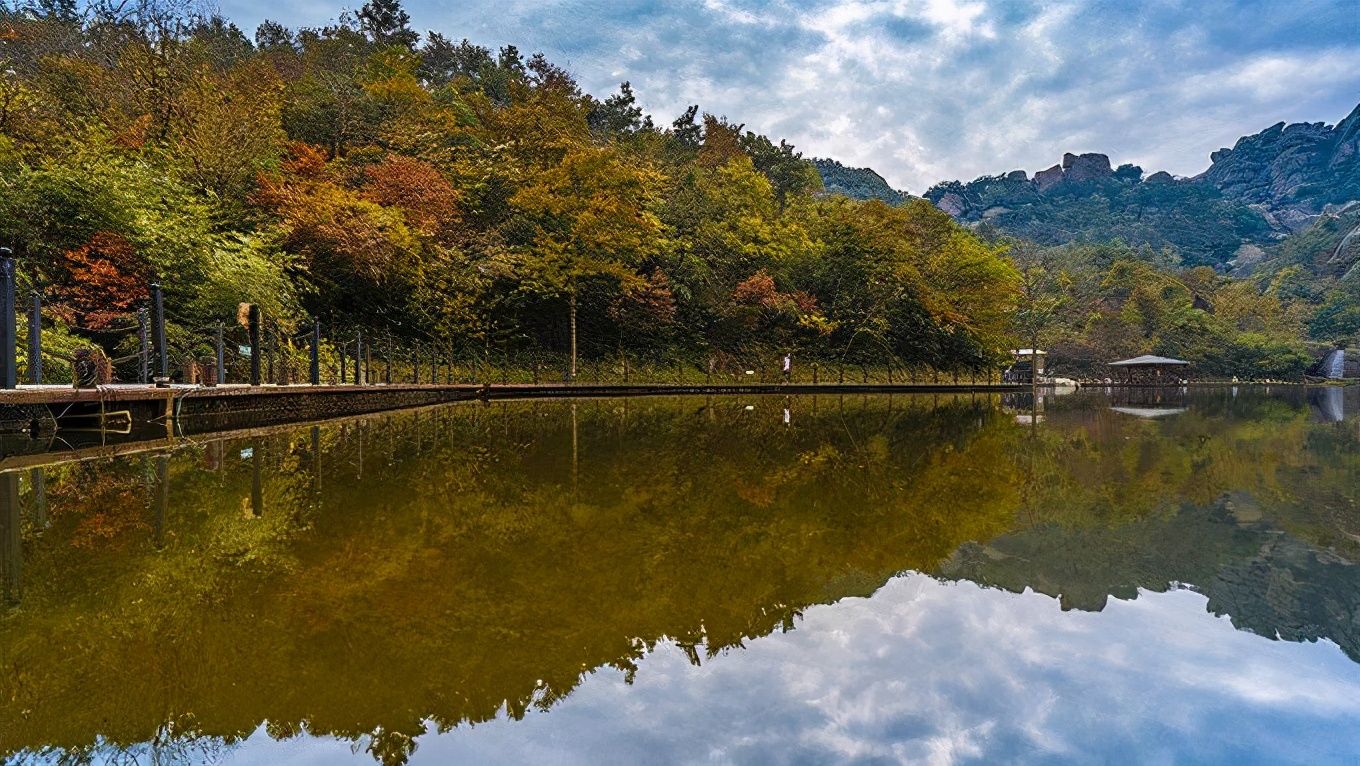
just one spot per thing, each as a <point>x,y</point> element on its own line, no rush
<point>1149,398</point>
<point>1150,412</point>
<point>1150,370</point>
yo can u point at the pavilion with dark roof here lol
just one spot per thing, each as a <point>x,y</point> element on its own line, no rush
<point>1150,370</point>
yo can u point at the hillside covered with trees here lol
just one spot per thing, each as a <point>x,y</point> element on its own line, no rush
<point>378,179</point>
<point>857,183</point>
<point>427,190</point>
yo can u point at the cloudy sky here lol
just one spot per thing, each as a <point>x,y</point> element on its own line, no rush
<point>928,90</point>
<point>935,673</point>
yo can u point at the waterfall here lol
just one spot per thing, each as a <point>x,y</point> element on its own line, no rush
<point>1335,364</point>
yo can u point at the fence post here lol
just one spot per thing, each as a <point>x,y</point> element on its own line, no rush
<point>143,347</point>
<point>316,353</point>
<point>387,360</point>
<point>359,357</point>
<point>9,362</point>
<point>221,355</point>
<point>158,305</point>
<point>268,352</point>
<point>35,340</point>
<point>253,327</point>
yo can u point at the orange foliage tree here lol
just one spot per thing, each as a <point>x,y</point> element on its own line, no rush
<point>101,282</point>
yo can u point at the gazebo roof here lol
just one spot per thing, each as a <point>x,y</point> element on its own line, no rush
<point>1148,360</point>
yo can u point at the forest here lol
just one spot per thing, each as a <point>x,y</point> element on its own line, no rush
<point>447,200</point>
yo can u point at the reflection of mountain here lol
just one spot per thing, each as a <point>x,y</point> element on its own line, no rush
<point>360,579</point>
<point>1266,581</point>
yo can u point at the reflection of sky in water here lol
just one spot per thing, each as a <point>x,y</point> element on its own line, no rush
<point>940,673</point>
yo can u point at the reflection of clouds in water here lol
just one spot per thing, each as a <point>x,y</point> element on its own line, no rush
<point>939,673</point>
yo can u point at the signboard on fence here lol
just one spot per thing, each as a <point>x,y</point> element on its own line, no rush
<point>245,350</point>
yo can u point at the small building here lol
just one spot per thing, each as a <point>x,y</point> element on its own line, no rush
<point>1149,370</point>
<point>1027,362</point>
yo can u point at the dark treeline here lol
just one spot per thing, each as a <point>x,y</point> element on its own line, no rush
<point>373,178</point>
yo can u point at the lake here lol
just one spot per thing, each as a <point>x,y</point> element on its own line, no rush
<point>1108,576</point>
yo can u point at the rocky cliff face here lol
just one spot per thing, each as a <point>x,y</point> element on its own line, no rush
<point>990,196</point>
<point>1269,186</point>
<point>1083,199</point>
<point>1292,171</point>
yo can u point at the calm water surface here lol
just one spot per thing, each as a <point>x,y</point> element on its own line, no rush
<point>1121,577</point>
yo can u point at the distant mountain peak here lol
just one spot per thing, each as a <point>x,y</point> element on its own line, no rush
<point>1266,186</point>
<point>1294,170</point>
<point>857,183</point>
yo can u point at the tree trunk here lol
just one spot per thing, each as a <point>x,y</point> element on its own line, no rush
<point>573,336</point>
<point>1034,364</point>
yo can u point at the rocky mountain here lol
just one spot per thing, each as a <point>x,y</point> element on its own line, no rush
<point>1291,173</point>
<point>1084,199</point>
<point>1267,187</point>
<point>857,183</point>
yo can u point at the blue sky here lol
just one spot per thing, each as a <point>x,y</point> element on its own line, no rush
<point>928,90</point>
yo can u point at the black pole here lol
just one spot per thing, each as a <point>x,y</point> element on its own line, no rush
<point>253,327</point>
<point>359,358</point>
<point>9,363</point>
<point>221,356</point>
<point>143,347</point>
<point>316,458</point>
<point>158,305</point>
<point>11,545</point>
<point>269,353</point>
<point>316,353</point>
<point>257,480</point>
<point>35,340</point>
<point>38,479</point>
<point>162,496</point>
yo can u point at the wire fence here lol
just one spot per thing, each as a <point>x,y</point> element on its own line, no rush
<point>153,344</point>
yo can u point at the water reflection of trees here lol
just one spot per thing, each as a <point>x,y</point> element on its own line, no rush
<point>466,573</point>
<point>447,565</point>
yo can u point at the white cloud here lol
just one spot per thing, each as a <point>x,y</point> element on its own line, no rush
<point>929,90</point>
<point>941,673</point>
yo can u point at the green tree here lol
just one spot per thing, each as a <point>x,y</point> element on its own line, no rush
<point>387,23</point>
